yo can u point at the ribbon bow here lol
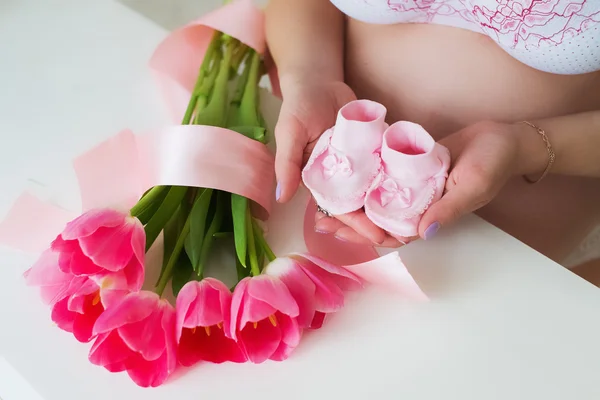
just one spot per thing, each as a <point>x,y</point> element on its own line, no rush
<point>336,164</point>
<point>390,191</point>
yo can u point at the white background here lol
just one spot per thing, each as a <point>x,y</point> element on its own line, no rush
<point>504,322</point>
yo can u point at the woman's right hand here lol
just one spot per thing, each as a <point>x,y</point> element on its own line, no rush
<point>309,108</point>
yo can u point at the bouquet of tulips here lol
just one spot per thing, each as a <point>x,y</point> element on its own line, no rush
<point>92,274</point>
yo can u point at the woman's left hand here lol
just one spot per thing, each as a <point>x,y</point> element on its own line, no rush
<point>484,157</point>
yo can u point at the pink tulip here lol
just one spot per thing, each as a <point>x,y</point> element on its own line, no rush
<point>100,242</point>
<point>263,319</point>
<point>137,335</point>
<point>78,313</point>
<point>316,285</point>
<point>202,308</point>
<point>54,284</point>
<point>77,301</point>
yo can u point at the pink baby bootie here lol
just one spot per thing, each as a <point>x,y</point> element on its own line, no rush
<point>413,176</point>
<point>346,160</point>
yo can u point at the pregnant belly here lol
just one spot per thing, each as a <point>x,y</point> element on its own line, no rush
<point>446,78</point>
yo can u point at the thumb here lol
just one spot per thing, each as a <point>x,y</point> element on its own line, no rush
<point>291,139</point>
<point>454,204</point>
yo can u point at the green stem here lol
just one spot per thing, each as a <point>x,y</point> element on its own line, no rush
<point>241,52</point>
<point>160,288</point>
<point>208,58</point>
<point>209,238</point>
<point>262,242</point>
<point>214,114</point>
<point>254,267</point>
<point>164,213</point>
<point>146,201</point>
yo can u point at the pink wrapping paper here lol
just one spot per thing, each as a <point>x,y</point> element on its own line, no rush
<point>177,59</point>
<point>32,224</point>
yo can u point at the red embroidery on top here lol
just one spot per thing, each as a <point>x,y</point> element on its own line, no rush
<point>534,22</point>
<point>514,22</point>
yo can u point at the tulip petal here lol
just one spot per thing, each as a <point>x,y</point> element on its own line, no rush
<point>133,308</point>
<point>328,296</point>
<point>299,284</point>
<point>273,292</point>
<point>318,320</point>
<point>134,275</point>
<point>134,271</point>
<point>109,248</point>
<point>187,295</point>
<point>145,336</point>
<point>255,310</point>
<point>206,309</point>
<point>109,349</point>
<point>345,279</point>
<point>45,271</point>
<point>87,223</point>
<point>168,327</point>
<point>148,373</point>
<point>61,245</point>
<point>62,317</point>
<point>261,342</point>
<point>110,297</point>
<point>79,298</point>
<point>52,294</point>
<point>81,265</point>
<point>290,339</point>
<point>196,345</point>
<point>237,302</point>
<point>83,325</point>
<point>54,284</point>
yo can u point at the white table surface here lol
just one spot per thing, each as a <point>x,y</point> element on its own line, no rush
<point>504,322</point>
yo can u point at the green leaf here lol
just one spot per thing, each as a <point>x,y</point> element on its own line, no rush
<point>181,273</point>
<point>214,227</point>
<point>242,272</point>
<point>164,213</point>
<point>239,205</point>
<point>198,217</point>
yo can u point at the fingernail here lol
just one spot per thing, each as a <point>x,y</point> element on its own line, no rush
<point>341,239</point>
<point>322,231</point>
<point>277,191</point>
<point>432,230</point>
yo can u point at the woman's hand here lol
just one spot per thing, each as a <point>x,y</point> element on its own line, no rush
<point>309,108</point>
<point>484,157</point>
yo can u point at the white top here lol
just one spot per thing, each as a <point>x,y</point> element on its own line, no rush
<point>557,36</point>
<point>504,323</point>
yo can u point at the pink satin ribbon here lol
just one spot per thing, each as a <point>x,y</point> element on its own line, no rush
<point>116,172</point>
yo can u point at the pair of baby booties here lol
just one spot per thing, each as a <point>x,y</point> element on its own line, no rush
<point>395,172</point>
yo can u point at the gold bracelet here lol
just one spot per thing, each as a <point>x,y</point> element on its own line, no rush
<point>549,149</point>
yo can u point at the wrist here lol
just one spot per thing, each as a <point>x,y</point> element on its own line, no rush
<point>532,152</point>
<point>300,75</point>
